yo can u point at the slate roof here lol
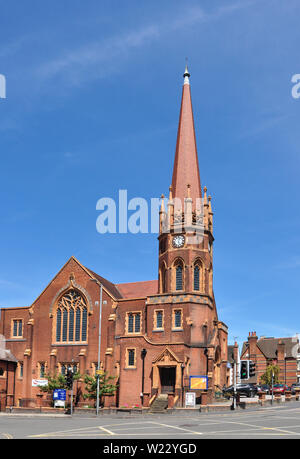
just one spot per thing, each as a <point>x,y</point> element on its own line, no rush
<point>268,346</point>
<point>5,354</point>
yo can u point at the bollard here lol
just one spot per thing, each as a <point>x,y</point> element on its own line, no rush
<point>288,395</point>
<point>277,397</point>
<point>261,397</point>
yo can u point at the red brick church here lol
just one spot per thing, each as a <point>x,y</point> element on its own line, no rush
<point>155,335</point>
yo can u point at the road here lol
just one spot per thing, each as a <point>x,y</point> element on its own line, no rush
<point>281,421</point>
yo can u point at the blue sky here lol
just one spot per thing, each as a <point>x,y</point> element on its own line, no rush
<point>93,98</point>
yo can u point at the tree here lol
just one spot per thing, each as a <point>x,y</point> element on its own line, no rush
<point>56,381</point>
<point>106,386</point>
<point>266,378</point>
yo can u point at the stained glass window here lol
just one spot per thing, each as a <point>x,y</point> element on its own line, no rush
<point>71,318</point>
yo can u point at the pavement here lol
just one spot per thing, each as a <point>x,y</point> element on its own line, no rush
<point>280,421</point>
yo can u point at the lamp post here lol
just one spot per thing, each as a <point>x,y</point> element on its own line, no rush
<point>182,387</point>
<point>143,355</point>
<point>99,344</point>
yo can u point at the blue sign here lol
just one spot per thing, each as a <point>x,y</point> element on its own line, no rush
<point>59,394</point>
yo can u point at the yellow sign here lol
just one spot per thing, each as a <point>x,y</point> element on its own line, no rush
<point>100,372</point>
<point>198,382</point>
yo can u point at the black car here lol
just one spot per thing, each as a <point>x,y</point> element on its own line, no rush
<point>295,386</point>
<point>247,390</point>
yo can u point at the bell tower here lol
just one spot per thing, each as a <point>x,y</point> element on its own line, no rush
<point>186,219</point>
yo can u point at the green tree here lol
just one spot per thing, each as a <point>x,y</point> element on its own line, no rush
<point>56,381</point>
<point>266,378</point>
<point>106,386</point>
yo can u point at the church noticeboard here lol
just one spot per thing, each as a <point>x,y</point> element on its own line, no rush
<point>198,383</point>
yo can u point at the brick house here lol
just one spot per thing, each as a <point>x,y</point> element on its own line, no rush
<point>154,334</point>
<point>8,365</point>
<point>283,352</point>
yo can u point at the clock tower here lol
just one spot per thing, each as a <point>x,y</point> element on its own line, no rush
<point>186,220</point>
<point>185,302</point>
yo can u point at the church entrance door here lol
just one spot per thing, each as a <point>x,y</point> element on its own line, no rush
<point>167,379</point>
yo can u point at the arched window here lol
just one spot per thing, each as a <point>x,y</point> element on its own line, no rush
<point>196,277</point>
<point>71,318</point>
<point>178,275</point>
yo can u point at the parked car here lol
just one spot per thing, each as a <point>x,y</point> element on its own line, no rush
<point>295,386</point>
<point>247,390</point>
<point>263,388</point>
<point>279,389</point>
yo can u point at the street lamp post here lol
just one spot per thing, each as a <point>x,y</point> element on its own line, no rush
<point>99,345</point>
<point>182,386</point>
<point>234,385</point>
<point>143,355</point>
<point>272,387</point>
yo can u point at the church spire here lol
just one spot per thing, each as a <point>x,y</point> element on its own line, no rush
<point>186,168</point>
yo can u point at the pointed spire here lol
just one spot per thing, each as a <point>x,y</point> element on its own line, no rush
<point>170,208</point>
<point>205,196</point>
<point>162,205</point>
<point>162,214</point>
<point>186,168</point>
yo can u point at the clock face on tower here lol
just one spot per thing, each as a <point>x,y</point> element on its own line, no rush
<point>178,241</point>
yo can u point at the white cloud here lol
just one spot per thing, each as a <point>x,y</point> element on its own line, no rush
<point>75,64</point>
<point>102,58</point>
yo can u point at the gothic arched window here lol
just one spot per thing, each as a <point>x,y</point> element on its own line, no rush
<point>71,318</point>
<point>198,276</point>
<point>178,275</point>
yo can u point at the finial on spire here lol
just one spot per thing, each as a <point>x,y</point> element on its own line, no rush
<point>186,74</point>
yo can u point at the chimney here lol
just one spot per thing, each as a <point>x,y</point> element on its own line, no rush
<point>252,340</point>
